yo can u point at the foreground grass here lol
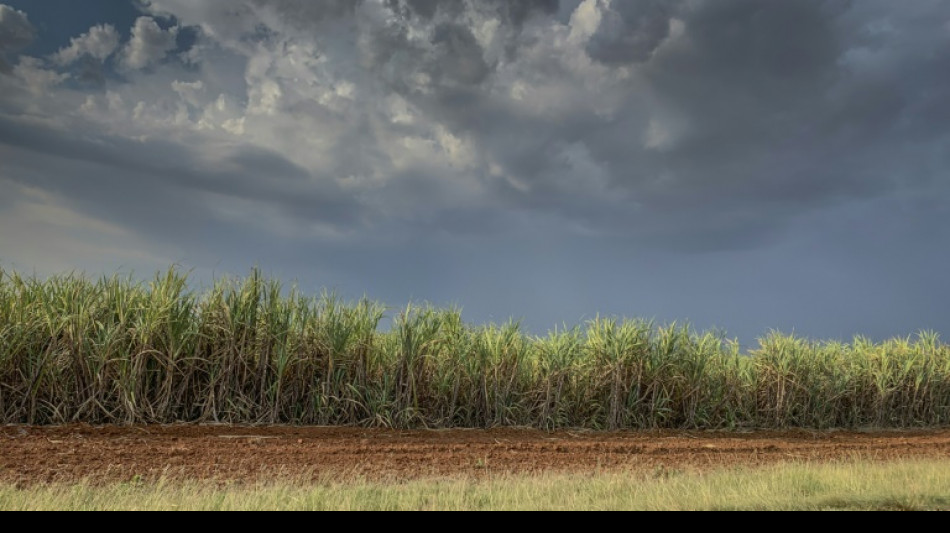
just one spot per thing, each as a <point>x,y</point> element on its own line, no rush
<point>846,486</point>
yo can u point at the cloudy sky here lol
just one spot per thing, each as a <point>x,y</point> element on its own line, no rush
<point>741,164</point>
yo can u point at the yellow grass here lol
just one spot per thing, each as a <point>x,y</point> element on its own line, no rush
<point>918,485</point>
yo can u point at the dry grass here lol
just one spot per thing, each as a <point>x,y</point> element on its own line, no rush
<point>845,486</point>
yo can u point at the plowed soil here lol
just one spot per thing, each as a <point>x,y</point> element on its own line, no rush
<point>67,454</point>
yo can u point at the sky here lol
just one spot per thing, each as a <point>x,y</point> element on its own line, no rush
<point>742,165</point>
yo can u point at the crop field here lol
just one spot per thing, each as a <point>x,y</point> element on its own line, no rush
<point>113,391</point>
<point>113,351</point>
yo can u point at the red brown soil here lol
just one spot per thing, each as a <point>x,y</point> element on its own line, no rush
<point>66,454</point>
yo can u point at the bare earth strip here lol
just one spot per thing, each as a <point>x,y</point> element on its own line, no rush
<point>67,454</point>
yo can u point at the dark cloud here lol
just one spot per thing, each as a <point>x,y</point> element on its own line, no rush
<point>708,140</point>
<point>426,9</point>
<point>629,32</point>
<point>15,29</point>
<point>303,12</point>
<point>514,12</point>
<point>158,177</point>
<point>741,115</point>
<point>519,11</point>
<point>459,59</point>
<point>743,39</point>
<point>757,118</point>
<point>16,32</point>
<point>778,122</point>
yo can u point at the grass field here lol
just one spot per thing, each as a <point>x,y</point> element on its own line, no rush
<point>114,351</point>
<point>845,486</point>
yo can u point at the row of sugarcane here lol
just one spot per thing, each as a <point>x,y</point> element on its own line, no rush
<point>248,351</point>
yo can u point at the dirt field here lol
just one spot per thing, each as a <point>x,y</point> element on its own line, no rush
<point>40,455</point>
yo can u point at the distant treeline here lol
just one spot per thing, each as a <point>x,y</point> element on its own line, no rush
<point>116,351</point>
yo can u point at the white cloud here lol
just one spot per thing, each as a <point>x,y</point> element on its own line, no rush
<point>190,92</point>
<point>35,77</point>
<point>585,20</point>
<point>99,43</point>
<point>149,44</point>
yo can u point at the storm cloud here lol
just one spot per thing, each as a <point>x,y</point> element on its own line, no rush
<point>378,142</point>
<point>15,32</point>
